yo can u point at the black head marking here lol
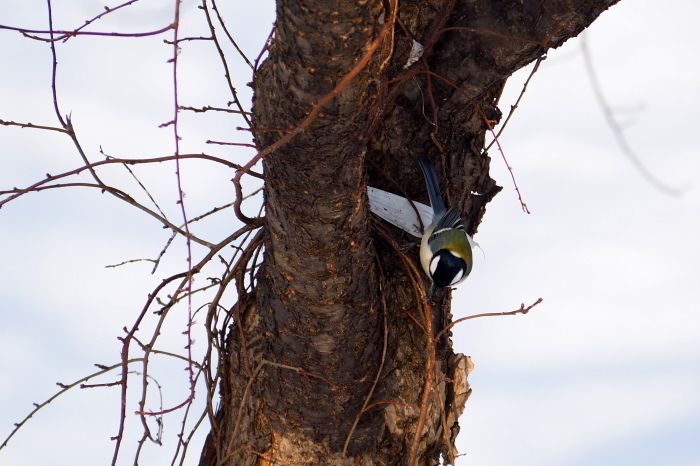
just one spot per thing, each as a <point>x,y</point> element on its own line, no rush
<point>446,268</point>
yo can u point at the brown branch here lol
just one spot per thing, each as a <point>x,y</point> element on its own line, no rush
<point>151,299</point>
<point>212,379</point>
<point>111,160</point>
<point>222,56</point>
<point>269,459</point>
<point>489,127</point>
<point>395,403</point>
<point>429,368</point>
<point>383,104</point>
<point>617,130</point>
<point>239,417</point>
<point>125,357</point>
<point>30,33</point>
<point>264,49</point>
<point>186,442</point>
<point>64,389</point>
<point>517,102</point>
<point>543,43</point>
<point>238,272</point>
<point>107,11</point>
<point>421,66</point>
<point>141,185</point>
<point>40,185</point>
<point>238,144</point>
<point>229,36</point>
<point>207,108</point>
<point>181,201</point>
<point>31,125</point>
<point>522,310</point>
<point>420,294</point>
<point>119,194</point>
<point>379,369</point>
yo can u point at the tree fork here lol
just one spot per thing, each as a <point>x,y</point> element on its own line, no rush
<point>307,345</point>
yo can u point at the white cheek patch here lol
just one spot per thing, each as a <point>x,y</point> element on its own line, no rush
<point>434,264</point>
<point>457,278</point>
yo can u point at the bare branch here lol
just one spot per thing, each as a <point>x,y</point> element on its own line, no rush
<point>617,130</point>
<point>64,389</point>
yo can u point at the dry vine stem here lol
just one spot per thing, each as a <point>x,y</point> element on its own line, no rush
<point>425,323</point>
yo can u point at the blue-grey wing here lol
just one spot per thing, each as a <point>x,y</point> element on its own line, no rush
<point>451,220</point>
<point>433,185</point>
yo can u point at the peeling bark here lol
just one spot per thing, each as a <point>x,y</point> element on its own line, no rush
<point>331,321</point>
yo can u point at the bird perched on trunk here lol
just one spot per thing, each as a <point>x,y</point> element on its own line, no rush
<point>445,249</point>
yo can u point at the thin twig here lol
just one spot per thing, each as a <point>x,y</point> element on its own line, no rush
<point>522,310</point>
<point>615,126</point>
<point>126,198</point>
<point>222,56</point>
<point>31,33</point>
<point>378,375</point>
<point>228,35</point>
<point>181,202</point>
<point>489,127</point>
<point>517,102</point>
<point>138,181</point>
<point>64,389</point>
<point>33,126</point>
<point>208,108</point>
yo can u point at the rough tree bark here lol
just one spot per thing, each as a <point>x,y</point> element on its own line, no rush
<point>330,321</point>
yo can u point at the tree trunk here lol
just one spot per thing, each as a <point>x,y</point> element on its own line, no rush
<point>332,359</point>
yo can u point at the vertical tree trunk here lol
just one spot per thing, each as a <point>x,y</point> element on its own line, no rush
<point>331,359</point>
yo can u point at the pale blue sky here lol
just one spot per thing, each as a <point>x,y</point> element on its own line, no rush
<point>605,371</point>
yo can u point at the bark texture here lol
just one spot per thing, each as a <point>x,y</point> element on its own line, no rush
<point>332,318</point>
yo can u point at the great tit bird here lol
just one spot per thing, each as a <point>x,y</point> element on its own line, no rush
<point>445,250</point>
